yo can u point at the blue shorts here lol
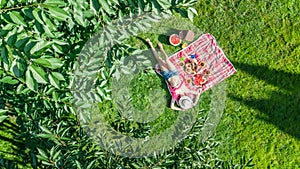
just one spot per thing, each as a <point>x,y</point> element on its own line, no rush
<point>168,74</point>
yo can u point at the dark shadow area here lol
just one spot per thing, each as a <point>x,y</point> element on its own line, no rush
<point>283,106</point>
<point>164,39</point>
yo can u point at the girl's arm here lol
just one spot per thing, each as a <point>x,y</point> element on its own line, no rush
<point>172,105</point>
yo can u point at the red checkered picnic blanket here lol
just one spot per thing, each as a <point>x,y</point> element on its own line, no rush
<point>204,49</point>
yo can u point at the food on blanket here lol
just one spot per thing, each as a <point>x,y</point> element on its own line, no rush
<point>175,40</point>
<point>188,80</point>
<point>187,35</point>
<point>199,80</point>
<point>201,64</point>
<point>206,72</point>
<point>193,56</point>
<point>184,45</point>
<point>190,67</point>
<point>216,68</point>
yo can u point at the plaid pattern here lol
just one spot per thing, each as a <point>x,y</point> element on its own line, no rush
<point>206,50</point>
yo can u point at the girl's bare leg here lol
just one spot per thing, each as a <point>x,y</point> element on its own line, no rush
<point>161,63</point>
<point>170,65</point>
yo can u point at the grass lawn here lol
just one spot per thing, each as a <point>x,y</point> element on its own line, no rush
<point>262,40</point>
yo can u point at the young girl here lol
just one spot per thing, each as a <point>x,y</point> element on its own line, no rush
<point>184,98</point>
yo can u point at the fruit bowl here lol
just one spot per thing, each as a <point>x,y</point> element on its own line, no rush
<point>175,40</point>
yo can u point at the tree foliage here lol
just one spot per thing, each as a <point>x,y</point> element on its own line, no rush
<point>40,43</point>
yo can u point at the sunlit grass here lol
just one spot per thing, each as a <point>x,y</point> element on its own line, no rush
<point>262,116</point>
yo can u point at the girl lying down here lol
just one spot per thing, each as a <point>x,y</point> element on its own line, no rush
<point>183,97</point>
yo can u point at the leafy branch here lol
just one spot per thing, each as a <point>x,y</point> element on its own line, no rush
<point>5,10</point>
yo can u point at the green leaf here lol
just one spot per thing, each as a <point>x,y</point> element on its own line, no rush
<point>30,82</point>
<point>44,129</point>
<point>182,12</point>
<point>55,96</point>
<point>2,3</point>
<point>42,158</point>
<point>58,48</point>
<point>193,10</point>
<point>28,12</point>
<point>54,81</point>
<point>55,63</point>
<point>37,16</point>
<point>20,88</point>
<point>106,7</point>
<point>79,18</point>
<point>52,151</point>
<point>58,76</point>
<point>42,153</point>
<point>103,83</point>
<point>21,42</point>
<point>91,164</point>
<point>47,136</point>
<point>48,32</point>
<point>101,91</point>
<point>17,18</point>
<point>78,164</point>
<point>60,42</point>
<point>164,4</point>
<point>2,111</point>
<point>42,61</point>
<point>2,118</point>
<point>47,163</point>
<point>8,26</point>
<point>9,80</point>
<point>12,39</point>
<point>135,165</point>
<point>56,155</point>
<point>49,24</point>
<point>191,13</point>
<point>40,46</point>
<point>17,67</point>
<point>58,13</point>
<point>95,5</point>
<point>55,3</point>
<point>117,2</point>
<point>30,44</point>
<point>39,74</point>
<point>50,62</point>
<point>4,55</point>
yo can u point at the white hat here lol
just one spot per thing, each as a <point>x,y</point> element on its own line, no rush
<point>185,102</point>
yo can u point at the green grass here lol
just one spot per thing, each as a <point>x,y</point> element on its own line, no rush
<point>141,88</point>
<point>262,40</point>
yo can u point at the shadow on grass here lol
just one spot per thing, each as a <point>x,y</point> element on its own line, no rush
<point>282,107</point>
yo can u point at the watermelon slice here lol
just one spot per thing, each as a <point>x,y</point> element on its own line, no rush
<point>175,40</point>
